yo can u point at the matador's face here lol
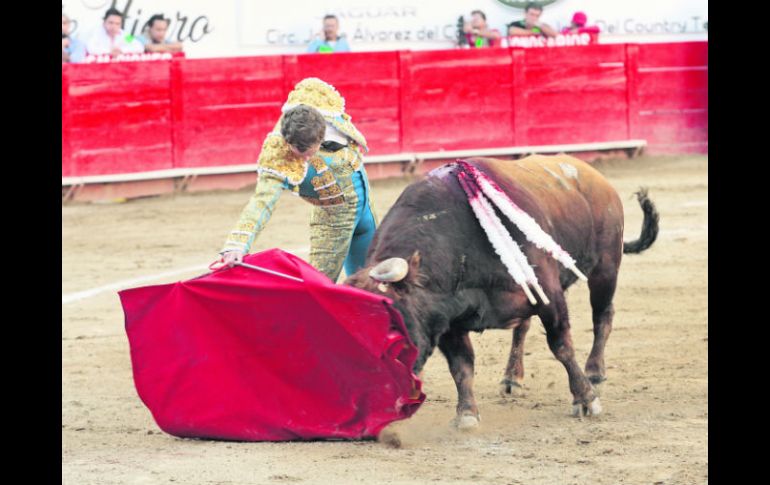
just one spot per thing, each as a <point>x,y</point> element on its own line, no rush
<point>307,154</point>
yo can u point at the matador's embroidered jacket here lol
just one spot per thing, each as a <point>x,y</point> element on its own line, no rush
<point>324,180</point>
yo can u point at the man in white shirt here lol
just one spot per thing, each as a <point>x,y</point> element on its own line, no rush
<point>110,39</point>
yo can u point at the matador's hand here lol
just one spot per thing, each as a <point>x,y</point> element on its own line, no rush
<point>232,257</point>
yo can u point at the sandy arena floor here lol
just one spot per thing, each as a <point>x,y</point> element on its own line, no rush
<point>654,429</point>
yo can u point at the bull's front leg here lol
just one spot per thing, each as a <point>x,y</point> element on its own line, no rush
<point>556,323</point>
<point>458,350</point>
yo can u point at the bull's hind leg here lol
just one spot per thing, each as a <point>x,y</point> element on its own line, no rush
<point>458,350</point>
<point>556,322</point>
<point>601,283</point>
<point>514,371</point>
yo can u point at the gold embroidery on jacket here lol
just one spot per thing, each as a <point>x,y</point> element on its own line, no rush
<point>328,101</point>
<point>318,94</point>
<point>329,192</point>
<point>318,162</point>
<point>323,180</point>
<point>277,158</point>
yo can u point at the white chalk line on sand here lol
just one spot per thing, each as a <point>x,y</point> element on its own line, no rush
<point>121,285</point>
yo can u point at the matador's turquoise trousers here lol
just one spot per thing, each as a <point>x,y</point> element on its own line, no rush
<point>340,234</point>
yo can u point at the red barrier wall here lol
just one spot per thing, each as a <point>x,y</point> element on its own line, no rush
<point>458,99</point>
<point>572,95</point>
<point>118,118</point>
<point>142,116</point>
<point>226,107</point>
<point>672,96</point>
<point>370,84</point>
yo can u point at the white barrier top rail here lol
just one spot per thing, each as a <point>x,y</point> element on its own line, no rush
<point>397,157</point>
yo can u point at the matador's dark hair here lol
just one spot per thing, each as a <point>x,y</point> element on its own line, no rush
<point>303,126</point>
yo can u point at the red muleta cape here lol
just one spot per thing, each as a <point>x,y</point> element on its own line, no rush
<point>239,354</point>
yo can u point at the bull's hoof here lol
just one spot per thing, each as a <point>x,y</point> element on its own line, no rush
<point>596,378</point>
<point>593,409</point>
<point>509,388</point>
<point>466,421</point>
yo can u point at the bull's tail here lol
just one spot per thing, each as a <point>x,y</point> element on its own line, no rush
<point>649,225</point>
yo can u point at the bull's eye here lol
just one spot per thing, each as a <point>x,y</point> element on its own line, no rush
<point>383,287</point>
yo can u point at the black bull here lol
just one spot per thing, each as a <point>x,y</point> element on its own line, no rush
<point>456,283</point>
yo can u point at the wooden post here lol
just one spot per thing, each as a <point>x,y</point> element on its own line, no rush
<point>519,96</point>
<point>290,74</point>
<point>405,107</point>
<point>176,99</point>
<point>66,147</point>
<point>632,90</point>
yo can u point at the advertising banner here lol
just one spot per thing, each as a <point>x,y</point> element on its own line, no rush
<point>227,28</point>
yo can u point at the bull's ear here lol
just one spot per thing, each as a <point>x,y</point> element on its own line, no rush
<point>414,262</point>
<point>414,276</point>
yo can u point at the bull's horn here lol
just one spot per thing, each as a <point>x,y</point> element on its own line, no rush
<point>390,270</point>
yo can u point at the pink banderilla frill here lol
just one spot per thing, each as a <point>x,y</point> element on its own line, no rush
<point>528,226</point>
<point>502,242</point>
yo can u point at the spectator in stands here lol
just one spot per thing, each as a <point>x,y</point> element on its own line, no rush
<point>316,152</point>
<point>65,45</point>
<point>154,36</point>
<point>329,40</point>
<point>578,25</point>
<point>72,49</point>
<point>531,25</point>
<point>110,38</point>
<point>478,34</point>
